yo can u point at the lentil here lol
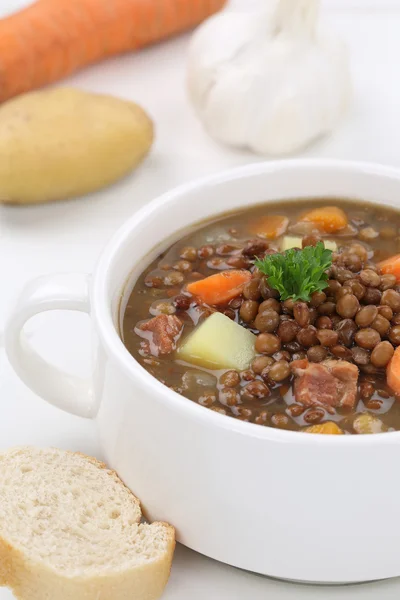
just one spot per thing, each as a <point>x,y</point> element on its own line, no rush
<point>267,343</point>
<point>260,363</point>
<point>267,321</point>
<point>317,354</point>
<point>307,337</point>
<point>382,354</point>
<point>367,338</point>
<point>366,315</point>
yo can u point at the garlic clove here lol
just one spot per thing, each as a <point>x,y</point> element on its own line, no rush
<point>214,46</point>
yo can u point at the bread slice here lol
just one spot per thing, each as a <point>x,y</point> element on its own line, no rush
<point>70,530</point>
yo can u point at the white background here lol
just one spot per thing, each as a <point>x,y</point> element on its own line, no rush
<point>69,236</point>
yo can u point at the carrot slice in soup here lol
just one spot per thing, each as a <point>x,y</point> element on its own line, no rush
<point>221,287</point>
<point>391,266</point>
<point>271,227</point>
<point>393,372</point>
<point>328,428</point>
<point>328,219</point>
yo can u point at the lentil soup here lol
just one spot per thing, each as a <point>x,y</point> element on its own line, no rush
<point>285,315</point>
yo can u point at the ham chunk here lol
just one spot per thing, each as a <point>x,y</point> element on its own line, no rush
<point>162,333</point>
<point>332,383</point>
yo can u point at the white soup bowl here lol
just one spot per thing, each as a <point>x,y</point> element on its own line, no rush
<point>302,507</point>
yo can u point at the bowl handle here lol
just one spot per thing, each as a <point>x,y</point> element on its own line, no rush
<point>49,292</point>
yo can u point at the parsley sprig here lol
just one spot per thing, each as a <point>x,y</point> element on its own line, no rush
<point>297,273</point>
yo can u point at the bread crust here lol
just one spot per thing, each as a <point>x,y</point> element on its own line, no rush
<point>31,579</point>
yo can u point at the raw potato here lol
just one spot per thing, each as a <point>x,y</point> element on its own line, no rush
<point>219,343</point>
<point>63,143</point>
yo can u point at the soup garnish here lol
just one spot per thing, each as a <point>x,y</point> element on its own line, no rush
<point>296,273</point>
<point>285,315</point>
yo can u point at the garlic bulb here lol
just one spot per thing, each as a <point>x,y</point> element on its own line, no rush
<point>271,82</point>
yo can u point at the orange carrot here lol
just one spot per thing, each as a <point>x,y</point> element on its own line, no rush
<point>270,227</point>
<point>391,266</point>
<point>329,218</point>
<point>221,287</point>
<point>329,428</point>
<point>51,39</point>
<point>393,372</point>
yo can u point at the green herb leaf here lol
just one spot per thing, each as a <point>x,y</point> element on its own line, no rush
<point>297,273</point>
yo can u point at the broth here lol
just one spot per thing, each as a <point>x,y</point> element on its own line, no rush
<point>256,394</point>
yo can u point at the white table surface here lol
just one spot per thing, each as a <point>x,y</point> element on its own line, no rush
<point>69,236</point>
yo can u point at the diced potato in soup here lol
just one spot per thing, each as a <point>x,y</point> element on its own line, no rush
<point>219,343</point>
<point>366,423</point>
<point>292,241</point>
